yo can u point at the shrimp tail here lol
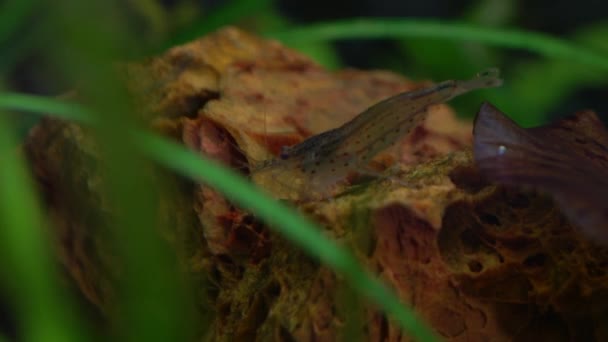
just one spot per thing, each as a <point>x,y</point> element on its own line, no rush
<point>488,78</point>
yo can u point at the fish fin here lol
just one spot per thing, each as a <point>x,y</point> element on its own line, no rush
<point>584,134</point>
<point>492,129</point>
<point>584,123</point>
<point>589,216</point>
<point>504,151</point>
<point>567,160</point>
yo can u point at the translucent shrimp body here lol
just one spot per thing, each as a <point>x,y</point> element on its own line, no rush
<point>312,168</point>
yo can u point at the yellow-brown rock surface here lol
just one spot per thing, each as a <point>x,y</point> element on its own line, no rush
<point>477,262</point>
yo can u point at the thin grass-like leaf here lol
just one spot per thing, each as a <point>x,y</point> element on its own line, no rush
<point>151,299</point>
<point>279,216</point>
<point>400,28</point>
<point>542,86</point>
<point>43,309</point>
<point>44,105</point>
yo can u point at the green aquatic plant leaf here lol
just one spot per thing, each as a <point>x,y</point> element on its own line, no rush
<point>542,86</point>
<point>541,44</point>
<point>44,311</point>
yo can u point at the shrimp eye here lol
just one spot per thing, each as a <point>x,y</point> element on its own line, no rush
<point>284,153</point>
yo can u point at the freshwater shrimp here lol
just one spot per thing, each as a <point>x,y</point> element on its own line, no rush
<point>312,168</point>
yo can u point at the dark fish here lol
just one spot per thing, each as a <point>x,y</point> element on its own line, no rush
<point>567,159</point>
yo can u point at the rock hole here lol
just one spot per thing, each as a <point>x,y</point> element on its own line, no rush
<point>535,260</point>
<point>468,179</point>
<point>383,334</point>
<point>594,270</point>
<point>274,289</point>
<point>519,201</point>
<point>490,219</point>
<point>475,266</point>
<point>284,335</point>
<point>470,241</point>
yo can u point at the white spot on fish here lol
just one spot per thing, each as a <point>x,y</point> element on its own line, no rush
<point>502,149</point>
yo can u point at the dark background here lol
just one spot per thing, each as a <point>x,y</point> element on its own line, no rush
<point>530,96</point>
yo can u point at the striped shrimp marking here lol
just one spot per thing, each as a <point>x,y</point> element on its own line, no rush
<point>313,168</point>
